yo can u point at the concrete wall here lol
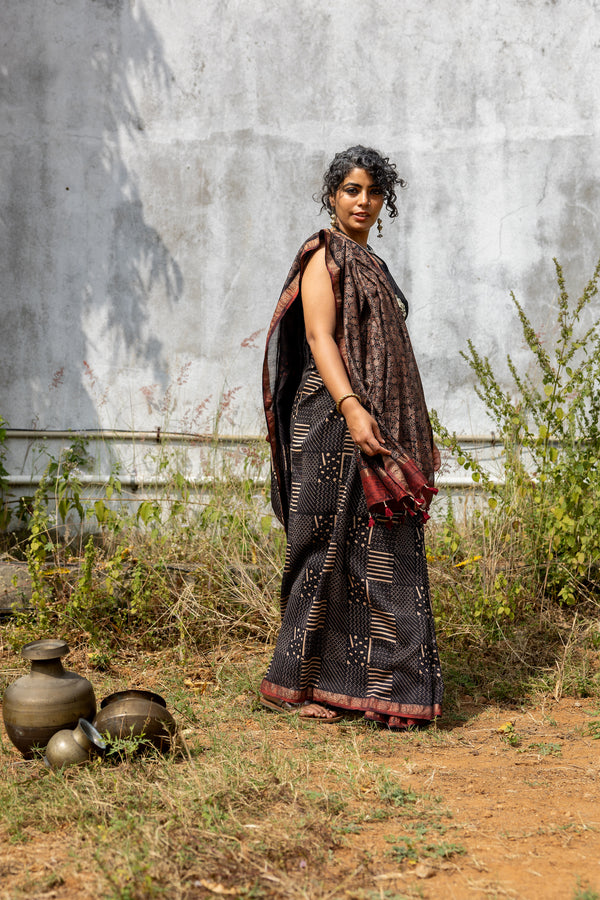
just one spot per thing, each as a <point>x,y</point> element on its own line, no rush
<point>158,157</point>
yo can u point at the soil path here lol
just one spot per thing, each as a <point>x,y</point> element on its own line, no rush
<point>522,801</point>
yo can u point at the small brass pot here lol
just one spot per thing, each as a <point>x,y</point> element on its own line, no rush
<point>46,700</point>
<point>73,747</point>
<point>136,714</point>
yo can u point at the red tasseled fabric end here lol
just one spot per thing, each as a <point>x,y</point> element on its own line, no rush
<point>396,488</point>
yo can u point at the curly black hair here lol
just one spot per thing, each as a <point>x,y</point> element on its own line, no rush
<point>381,170</point>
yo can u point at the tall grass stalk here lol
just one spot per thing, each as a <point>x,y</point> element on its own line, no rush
<point>195,565</point>
<point>539,538</point>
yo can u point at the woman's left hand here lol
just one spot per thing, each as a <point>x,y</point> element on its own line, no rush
<point>437,459</point>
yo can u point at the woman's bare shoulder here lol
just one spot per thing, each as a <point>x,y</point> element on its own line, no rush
<point>316,284</point>
<point>316,264</point>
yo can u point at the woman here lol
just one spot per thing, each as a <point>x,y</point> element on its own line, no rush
<point>353,461</point>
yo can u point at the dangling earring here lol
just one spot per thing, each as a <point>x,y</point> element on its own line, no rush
<point>379,228</point>
<point>333,219</point>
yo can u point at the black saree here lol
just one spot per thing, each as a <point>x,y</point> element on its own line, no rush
<point>357,626</point>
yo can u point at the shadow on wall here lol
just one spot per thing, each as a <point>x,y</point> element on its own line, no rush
<point>81,266</point>
<point>140,262</point>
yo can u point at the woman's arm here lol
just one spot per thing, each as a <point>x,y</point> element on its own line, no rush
<point>318,303</point>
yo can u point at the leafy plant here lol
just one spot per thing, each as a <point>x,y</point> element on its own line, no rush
<point>109,520</point>
<point>585,893</point>
<point>4,510</point>
<point>545,749</point>
<point>190,566</point>
<point>593,729</point>
<point>541,529</point>
<point>39,545</point>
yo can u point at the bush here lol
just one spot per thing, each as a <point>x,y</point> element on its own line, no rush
<point>192,566</point>
<point>539,538</point>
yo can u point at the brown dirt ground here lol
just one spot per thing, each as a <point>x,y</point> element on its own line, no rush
<point>529,820</point>
<point>527,816</point>
<point>530,823</point>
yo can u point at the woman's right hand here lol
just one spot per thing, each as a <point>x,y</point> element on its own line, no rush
<point>363,428</point>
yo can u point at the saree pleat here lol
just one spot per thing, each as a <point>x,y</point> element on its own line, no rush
<point>357,627</point>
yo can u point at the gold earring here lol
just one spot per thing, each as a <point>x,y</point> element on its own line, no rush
<point>333,219</point>
<point>379,228</point>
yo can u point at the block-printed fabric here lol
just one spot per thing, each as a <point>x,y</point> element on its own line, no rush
<point>357,626</point>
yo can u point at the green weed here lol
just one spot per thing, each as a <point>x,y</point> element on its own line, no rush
<point>593,729</point>
<point>544,749</point>
<point>585,893</point>
<point>539,538</point>
<point>512,739</point>
<point>408,849</point>
<point>396,796</point>
<point>189,568</point>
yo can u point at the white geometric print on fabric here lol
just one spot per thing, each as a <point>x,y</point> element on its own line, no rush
<point>380,566</point>
<point>300,433</point>
<point>383,625</point>
<point>380,683</point>
<point>309,671</point>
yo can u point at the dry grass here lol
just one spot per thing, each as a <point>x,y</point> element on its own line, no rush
<point>251,805</point>
<point>256,805</point>
<point>500,640</point>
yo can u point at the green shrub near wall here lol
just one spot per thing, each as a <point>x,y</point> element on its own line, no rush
<point>539,540</point>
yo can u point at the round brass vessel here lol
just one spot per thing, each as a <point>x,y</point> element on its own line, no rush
<point>136,714</point>
<point>72,748</point>
<point>47,700</point>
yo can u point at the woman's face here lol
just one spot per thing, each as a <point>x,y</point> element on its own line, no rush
<point>357,204</point>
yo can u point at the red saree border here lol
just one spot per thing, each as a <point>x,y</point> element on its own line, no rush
<point>344,701</point>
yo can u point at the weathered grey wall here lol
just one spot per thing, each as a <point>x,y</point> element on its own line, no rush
<point>158,157</point>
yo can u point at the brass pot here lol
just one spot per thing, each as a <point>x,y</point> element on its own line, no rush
<point>72,748</point>
<point>136,714</point>
<point>47,700</point>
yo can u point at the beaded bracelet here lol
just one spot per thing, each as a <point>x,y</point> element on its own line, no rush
<point>345,397</point>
